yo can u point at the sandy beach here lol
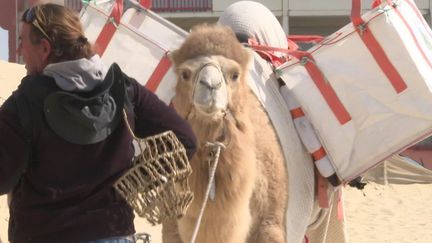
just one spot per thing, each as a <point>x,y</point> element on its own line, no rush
<point>391,213</point>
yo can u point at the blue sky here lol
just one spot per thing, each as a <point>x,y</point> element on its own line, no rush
<point>4,45</point>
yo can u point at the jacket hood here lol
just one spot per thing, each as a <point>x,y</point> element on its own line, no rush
<point>79,75</point>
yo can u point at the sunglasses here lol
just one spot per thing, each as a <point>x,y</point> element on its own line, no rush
<point>30,17</point>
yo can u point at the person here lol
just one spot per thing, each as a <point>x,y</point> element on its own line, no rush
<point>63,139</point>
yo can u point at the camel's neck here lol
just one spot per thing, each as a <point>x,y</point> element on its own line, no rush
<point>219,130</point>
<point>209,131</point>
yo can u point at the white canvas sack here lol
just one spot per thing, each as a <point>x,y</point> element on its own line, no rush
<point>138,40</point>
<point>367,89</point>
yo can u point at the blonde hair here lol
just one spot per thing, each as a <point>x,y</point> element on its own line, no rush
<point>62,28</point>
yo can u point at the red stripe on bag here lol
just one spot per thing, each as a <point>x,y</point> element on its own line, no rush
<point>340,209</point>
<point>297,112</point>
<point>110,28</point>
<point>146,3</point>
<point>319,154</point>
<point>321,190</point>
<point>306,38</point>
<point>323,86</point>
<point>158,74</point>
<point>381,58</point>
<point>376,3</point>
<point>267,52</point>
<point>375,48</point>
<point>321,181</point>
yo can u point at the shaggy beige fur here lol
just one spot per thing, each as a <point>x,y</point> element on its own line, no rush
<point>251,178</point>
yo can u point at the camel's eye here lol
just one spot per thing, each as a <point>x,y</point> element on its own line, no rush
<point>185,74</point>
<point>235,76</point>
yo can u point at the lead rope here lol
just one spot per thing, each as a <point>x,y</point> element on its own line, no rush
<point>218,146</point>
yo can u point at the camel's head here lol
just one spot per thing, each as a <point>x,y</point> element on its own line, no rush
<point>211,67</point>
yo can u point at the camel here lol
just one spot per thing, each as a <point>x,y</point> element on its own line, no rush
<point>212,94</point>
<point>305,217</point>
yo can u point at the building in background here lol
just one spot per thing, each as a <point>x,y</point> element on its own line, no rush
<point>10,12</point>
<point>296,16</point>
<point>320,17</point>
<point>4,45</point>
<point>8,21</point>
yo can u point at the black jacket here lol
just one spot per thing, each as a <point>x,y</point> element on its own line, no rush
<point>62,192</point>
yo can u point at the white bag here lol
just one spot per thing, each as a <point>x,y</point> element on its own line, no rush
<point>143,36</point>
<point>367,89</point>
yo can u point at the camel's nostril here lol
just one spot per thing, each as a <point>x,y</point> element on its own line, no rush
<point>211,86</point>
<point>217,85</point>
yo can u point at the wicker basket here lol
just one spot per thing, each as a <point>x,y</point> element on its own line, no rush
<point>156,187</point>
